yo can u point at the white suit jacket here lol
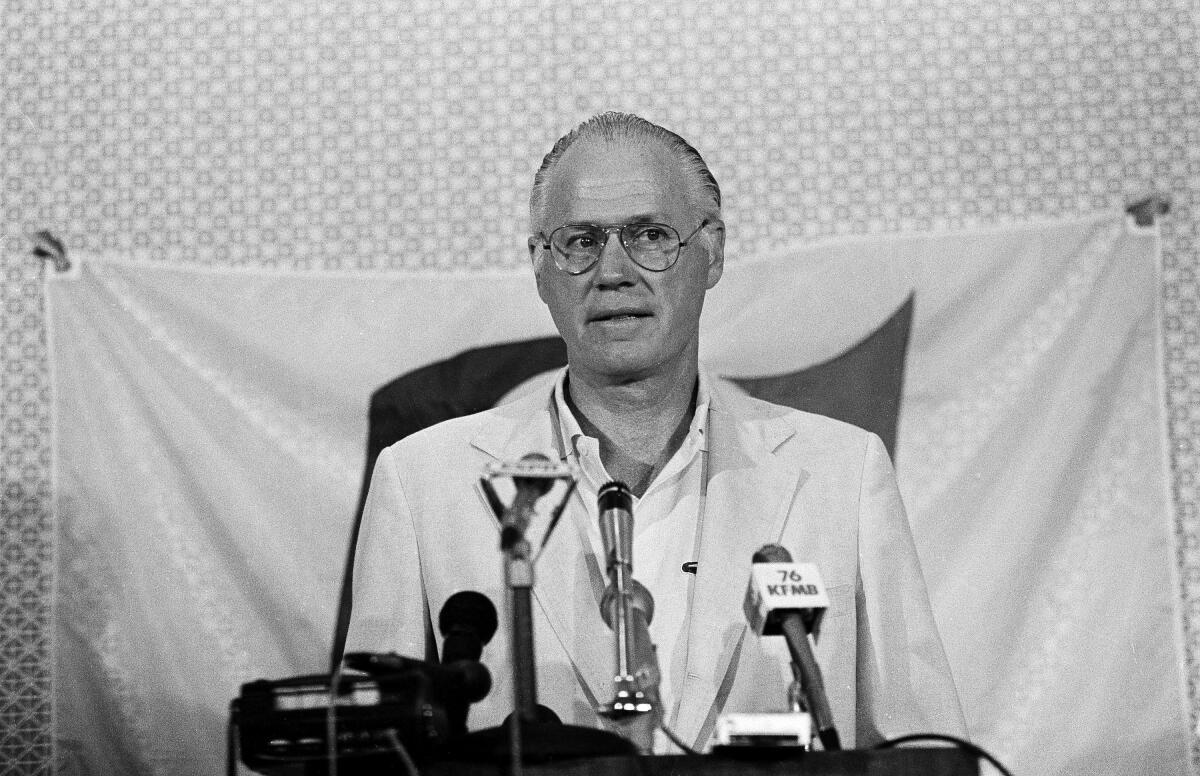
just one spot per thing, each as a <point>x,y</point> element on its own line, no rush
<point>822,488</point>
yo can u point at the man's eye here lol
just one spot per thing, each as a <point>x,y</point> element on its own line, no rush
<point>649,235</point>
<point>582,242</point>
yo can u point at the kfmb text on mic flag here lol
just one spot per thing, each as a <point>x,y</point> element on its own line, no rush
<point>210,425</point>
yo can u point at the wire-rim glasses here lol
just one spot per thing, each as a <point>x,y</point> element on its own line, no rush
<point>577,247</point>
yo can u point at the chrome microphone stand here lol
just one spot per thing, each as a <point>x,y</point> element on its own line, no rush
<point>628,608</point>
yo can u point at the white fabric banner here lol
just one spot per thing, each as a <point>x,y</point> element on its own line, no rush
<point>210,427</point>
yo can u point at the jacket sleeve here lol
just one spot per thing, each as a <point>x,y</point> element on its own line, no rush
<point>904,682</point>
<point>390,611</point>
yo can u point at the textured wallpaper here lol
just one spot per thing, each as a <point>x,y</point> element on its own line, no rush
<point>365,135</point>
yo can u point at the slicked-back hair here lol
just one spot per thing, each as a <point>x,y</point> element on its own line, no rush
<point>703,193</point>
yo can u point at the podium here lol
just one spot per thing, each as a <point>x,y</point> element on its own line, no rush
<point>887,762</point>
<point>905,761</point>
<point>265,739</point>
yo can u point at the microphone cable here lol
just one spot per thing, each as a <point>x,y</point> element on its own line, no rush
<point>675,739</point>
<point>410,767</point>
<point>232,731</point>
<point>331,752</point>
<point>973,749</point>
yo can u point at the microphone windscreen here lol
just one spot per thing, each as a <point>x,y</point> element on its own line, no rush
<point>614,495</point>
<point>537,486</point>
<point>543,715</point>
<point>614,503</point>
<point>772,553</point>
<point>467,622</point>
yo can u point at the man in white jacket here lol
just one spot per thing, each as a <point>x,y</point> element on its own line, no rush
<point>627,239</point>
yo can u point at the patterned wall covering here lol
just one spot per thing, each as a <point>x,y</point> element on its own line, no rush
<point>367,135</point>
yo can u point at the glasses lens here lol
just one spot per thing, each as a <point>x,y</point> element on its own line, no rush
<point>654,246</point>
<point>577,247</point>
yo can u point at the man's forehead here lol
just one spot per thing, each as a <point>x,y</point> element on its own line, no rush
<point>598,174</point>
<point>602,187</point>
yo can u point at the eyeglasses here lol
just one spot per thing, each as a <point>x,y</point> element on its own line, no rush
<point>577,247</point>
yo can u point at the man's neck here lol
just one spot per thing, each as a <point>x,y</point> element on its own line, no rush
<point>639,423</point>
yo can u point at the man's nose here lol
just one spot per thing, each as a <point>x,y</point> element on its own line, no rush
<point>615,265</point>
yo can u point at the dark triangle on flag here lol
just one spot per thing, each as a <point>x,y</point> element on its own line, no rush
<point>861,386</point>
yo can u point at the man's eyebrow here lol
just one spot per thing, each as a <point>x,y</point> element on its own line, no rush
<point>640,218</point>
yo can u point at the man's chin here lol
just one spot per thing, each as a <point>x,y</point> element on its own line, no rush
<point>622,364</point>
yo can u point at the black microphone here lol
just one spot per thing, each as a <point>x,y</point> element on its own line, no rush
<point>467,622</point>
<point>784,603</point>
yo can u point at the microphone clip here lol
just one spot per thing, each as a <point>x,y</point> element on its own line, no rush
<point>527,480</point>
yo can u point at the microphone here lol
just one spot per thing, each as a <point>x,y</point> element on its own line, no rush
<point>788,599</point>
<point>532,478</point>
<point>467,622</point>
<point>615,504</point>
<point>533,466</point>
<point>530,727</point>
<point>627,608</point>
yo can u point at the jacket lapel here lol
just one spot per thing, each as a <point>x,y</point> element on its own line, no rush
<point>567,580</point>
<point>750,491</point>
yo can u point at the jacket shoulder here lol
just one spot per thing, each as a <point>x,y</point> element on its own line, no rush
<point>494,423</point>
<point>806,425</point>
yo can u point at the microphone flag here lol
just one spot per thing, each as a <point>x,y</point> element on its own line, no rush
<point>777,588</point>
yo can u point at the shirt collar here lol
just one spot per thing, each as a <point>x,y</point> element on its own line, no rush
<point>570,432</point>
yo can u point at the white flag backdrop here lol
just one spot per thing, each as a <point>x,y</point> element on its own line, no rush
<point>210,427</point>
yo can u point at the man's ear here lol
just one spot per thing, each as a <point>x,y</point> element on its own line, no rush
<point>537,257</point>
<point>716,252</point>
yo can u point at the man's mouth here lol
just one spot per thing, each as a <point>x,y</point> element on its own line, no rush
<point>618,315</point>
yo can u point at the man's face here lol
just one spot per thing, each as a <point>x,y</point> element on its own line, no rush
<point>619,320</point>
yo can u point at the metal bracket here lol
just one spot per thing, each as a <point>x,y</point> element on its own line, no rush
<point>49,248</point>
<point>1145,211</point>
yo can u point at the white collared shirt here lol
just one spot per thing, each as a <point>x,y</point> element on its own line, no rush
<point>667,521</point>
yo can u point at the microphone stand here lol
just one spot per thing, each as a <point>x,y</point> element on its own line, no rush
<point>636,707</point>
<point>518,575</point>
<point>812,683</point>
<point>531,732</point>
